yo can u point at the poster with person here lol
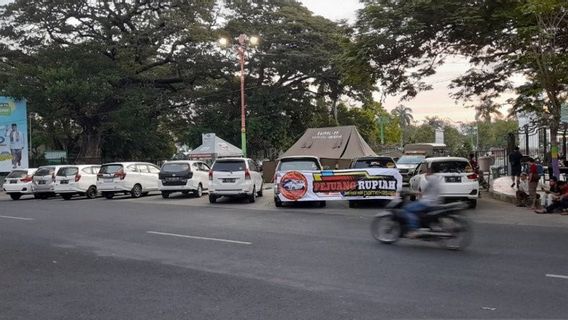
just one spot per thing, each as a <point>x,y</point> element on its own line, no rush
<point>13,134</point>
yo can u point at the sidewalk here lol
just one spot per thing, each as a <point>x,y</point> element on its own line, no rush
<point>501,190</point>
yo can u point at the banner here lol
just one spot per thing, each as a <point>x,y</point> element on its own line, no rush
<point>13,134</point>
<point>352,184</point>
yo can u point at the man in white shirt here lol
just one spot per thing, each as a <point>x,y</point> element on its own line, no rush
<point>16,140</point>
<point>522,194</point>
<point>429,197</point>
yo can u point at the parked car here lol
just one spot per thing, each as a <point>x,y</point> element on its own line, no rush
<point>43,181</point>
<point>294,163</point>
<point>185,177</point>
<point>77,180</point>
<point>235,177</point>
<point>18,183</point>
<point>131,178</point>
<point>373,162</point>
<point>407,164</point>
<point>458,181</point>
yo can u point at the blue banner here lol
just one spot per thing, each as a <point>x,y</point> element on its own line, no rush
<point>13,134</point>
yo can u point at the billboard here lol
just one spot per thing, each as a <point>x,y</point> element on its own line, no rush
<point>13,134</point>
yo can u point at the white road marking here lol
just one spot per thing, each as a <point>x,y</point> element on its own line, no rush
<point>17,218</point>
<point>559,276</point>
<point>197,238</point>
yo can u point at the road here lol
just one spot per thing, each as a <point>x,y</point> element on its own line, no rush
<point>154,258</point>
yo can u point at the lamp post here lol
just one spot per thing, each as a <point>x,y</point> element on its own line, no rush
<point>243,40</point>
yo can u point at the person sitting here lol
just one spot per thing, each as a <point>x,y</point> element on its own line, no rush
<point>522,194</point>
<point>553,191</point>
<point>559,201</point>
<point>430,197</point>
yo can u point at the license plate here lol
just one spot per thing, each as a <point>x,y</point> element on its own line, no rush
<point>453,179</point>
<point>107,180</point>
<point>41,182</point>
<point>229,180</point>
<point>172,179</point>
<point>13,181</point>
<point>64,181</point>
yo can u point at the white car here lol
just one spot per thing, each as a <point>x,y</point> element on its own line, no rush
<point>457,178</point>
<point>294,163</point>
<point>43,181</point>
<point>185,177</point>
<point>132,178</point>
<point>18,183</point>
<point>235,177</point>
<point>77,179</point>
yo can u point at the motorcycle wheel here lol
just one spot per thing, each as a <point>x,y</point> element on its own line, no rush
<point>461,231</point>
<point>385,229</point>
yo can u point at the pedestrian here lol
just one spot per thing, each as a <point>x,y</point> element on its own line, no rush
<point>534,178</point>
<point>16,139</point>
<point>522,194</point>
<point>515,161</point>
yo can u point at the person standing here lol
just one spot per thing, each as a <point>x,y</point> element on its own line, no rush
<point>16,139</point>
<point>515,161</point>
<point>534,178</point>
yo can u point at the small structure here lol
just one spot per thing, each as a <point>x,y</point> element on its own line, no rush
<point>213,147</point>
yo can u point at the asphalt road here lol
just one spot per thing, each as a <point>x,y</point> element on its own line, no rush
<point>155,258</point>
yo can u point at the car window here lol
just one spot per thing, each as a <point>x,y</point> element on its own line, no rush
<point>95,169</point>
<point>142,168</point>
<point>131,168</point>
<point>252,166</point>
<point>456,166</point>
<point>153,169</point>
<point>45,171</point>
<point>375,163</point>
<point>421,169</point>
<point>195,166</point>
<point>67,171</point>
<point>410,159</point>
<point>229,165</point>
<point>175,167</point>
<point>17,174</point>
<point>111,168</point>
<point>287,165</point>
<point>204,167</point>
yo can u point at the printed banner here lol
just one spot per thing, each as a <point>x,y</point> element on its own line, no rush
<point>351,184</point>
<point>13,134</point>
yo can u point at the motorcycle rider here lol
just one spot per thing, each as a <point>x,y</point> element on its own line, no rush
<point>429,197</point>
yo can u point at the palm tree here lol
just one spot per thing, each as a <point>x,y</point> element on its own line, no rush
<point>405,118</point>
<point>486,110</point>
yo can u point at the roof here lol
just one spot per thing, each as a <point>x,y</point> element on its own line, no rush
<point>331,143</point>
<point>298,157</point>
<point>214,147</point>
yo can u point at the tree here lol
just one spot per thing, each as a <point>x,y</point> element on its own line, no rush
<point>402,42</point>
<point>405,118</point>
<point>486,109</point>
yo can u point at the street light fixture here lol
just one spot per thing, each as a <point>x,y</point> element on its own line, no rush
<point>243,41</point>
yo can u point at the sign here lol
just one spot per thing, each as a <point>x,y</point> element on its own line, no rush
<point>13,134</point>
<point>352,184</point>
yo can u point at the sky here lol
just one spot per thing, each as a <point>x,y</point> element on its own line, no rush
<point>428,103</point>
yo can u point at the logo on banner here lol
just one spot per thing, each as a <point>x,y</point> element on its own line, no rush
<point>293,185</point>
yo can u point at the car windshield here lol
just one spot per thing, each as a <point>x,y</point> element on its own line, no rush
<point>175,167</point>
<point>229,166</point>
<point>42,172</point>
<point>66,172</point>
<point>451,167</point>
<point>111,168</point>
<point>288,165</point>
<point>17,174</point>
<point>410,159</point>
<point>374,163</point>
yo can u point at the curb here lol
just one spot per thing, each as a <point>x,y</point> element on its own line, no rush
<point>502,196</point>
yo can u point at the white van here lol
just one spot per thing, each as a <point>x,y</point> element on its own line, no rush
<point>133,178</point>
<point>235,177</point>
<point>18,183</point>
<point>185,177</point>
<point>43,181</point>
<point>77,180</point>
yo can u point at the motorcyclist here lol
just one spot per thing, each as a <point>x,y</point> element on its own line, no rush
<point>429,197</point>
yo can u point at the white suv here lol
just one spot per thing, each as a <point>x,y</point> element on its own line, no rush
<point>235,177</point>
<point>458,181</point>
<point>185,177</point>
<point>43,181</point>
<point>133,178</point>
<point>18,183</point>
<point>77,179</point>
<point>294,163</point>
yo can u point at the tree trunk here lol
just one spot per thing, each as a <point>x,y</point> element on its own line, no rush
<point>554,148</point>
<point>90,152</point>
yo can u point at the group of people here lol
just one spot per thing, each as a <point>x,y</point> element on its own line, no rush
<point>529,181</point>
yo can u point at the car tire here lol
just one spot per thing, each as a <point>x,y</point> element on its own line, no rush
<point>108,195</point>
<point>260,192</point>
<point>165,194</point>
<point>277,202</point>
<point>212,198</point>
<point>252,196</point>
<point>66,196</point>
<point>353,204</point>
<point>472,203</point>
<point>91,192</point>
<point>136,191</point>
<point>199,192</point>
<point>15,196</point>
<point>322,204</point>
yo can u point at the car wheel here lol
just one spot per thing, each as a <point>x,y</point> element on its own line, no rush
<point>353,204</point>
<point>252,196</point>
<point>15,196</point>
<point>66,196</point>
<point>472,203</point>
<point>199,192</point>
<point>108,195</point>
<point>91,192</point>
<point>277,202</point>
<point>165,194</point>
<point>136,191</point>
<point>322,204</point>
<point>212,198</point>
<point>260,192</point>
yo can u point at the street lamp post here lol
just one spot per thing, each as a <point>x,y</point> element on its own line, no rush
<point>241,49</point>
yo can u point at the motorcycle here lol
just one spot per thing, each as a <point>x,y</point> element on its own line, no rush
<point>443,224</point>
